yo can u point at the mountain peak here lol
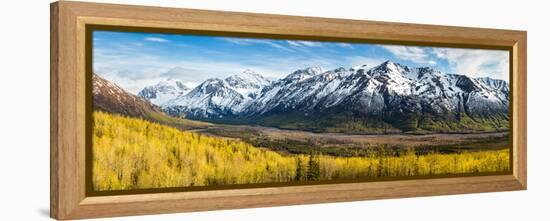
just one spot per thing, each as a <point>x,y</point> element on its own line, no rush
<point>314,70</point>
<point>172,82</point>
<point>249,72</point>
<point>247,79</point>
<point>340,69</point>
<point>219,97</point>
<point>390,67</point>
<point>212,81</point>
<point>390,64</point>
<point>163,91</point>
<point>247,75</point>
<point>305,73</point>
<point>359,67</point>
<point>109,97</point>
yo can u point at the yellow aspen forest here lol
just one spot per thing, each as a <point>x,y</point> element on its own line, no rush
<point>130,153</point>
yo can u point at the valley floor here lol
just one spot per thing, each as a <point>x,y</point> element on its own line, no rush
<point>339,144</point>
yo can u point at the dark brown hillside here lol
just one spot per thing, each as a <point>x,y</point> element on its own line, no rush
<point>111,98</point>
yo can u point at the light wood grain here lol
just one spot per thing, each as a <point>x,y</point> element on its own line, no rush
<point>54,111</point>
<point>520,99</point>
<point>68,20</point>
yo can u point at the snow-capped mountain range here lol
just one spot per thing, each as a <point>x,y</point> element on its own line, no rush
<point>390,95</point>
<point>216,97</point>
<point>164,91</point>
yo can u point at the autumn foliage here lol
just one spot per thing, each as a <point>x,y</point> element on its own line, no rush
<point>131,153</point>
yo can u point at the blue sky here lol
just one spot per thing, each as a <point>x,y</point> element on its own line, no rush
<point>136,60</point>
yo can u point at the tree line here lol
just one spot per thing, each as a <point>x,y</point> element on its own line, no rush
<point>130,153</point>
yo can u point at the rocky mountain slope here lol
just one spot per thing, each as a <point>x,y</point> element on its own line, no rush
<point>163,91</point>
<point>218,98</point>
<point>384,99</point>
<point>111,98</point>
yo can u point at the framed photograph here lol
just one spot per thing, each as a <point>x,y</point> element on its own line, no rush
<point>160,110</point>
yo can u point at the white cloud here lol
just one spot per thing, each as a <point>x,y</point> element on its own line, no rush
<point>294,43</point>
<point>244,41</point>
<point>129,70</point>
<point>311,43</point>
<point>248,41</point>
<point>417,55</point>
<point>476,62</point>
<point>156,39</point>
<point>124,80</point>
<point>298,43</point>
<point>345,45</point>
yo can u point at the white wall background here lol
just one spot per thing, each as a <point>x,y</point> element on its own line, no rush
<point>24,112</point>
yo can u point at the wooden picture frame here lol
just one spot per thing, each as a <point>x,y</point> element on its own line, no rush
<point>68,196</point>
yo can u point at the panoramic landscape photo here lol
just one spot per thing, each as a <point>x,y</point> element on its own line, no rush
<point>171,110</point>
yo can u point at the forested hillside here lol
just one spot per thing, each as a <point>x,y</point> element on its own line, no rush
<point>130,153</point>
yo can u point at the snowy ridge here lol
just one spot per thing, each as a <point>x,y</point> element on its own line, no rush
<point>163,91</point>
<point>387,91</point>
<point>216,98</point>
